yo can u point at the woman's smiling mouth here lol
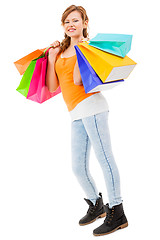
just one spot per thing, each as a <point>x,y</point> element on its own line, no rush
<point>71,29</point>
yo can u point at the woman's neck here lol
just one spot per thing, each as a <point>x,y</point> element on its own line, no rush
<point>71,50</point>
<point>74,41</point>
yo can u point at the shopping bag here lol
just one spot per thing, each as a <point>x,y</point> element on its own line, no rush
<point>38,91</point>
<point>90,79</point>
<point>32,85</point>
<point>26,79</point>
<point>108,66</point>
<point>117,44</point>
<point>24,62</point>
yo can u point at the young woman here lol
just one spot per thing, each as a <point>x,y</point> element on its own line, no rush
<point>89,118</point>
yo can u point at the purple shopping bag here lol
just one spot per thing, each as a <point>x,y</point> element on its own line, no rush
<point>38,90</point>
<point>90,79</point>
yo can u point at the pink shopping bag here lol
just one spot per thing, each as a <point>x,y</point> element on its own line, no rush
<point>38,90</point>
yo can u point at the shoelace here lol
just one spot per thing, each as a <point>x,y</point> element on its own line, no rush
<point>109,216</point>
<point>92,208</point>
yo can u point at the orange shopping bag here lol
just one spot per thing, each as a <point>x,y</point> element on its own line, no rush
<point>24,62</point>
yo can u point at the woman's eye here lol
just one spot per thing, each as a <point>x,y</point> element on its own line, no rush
<point>73,21</point>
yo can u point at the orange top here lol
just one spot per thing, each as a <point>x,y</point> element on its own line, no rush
<point>72,94</point>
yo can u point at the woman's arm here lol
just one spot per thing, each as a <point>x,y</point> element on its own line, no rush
<point>51,77</point>
<point>76,75</point>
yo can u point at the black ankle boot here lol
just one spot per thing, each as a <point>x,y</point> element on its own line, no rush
<point>115,220</point>
<point>94,211</point>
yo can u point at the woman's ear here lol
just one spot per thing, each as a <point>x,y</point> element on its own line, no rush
<point>86,24</point>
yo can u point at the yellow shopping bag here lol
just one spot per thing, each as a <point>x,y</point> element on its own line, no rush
<point>108,66</point>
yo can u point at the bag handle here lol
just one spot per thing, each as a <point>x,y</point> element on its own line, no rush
<point>46,51</point>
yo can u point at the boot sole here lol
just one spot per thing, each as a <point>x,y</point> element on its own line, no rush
<point>100,216</point>
<point>119,227</point>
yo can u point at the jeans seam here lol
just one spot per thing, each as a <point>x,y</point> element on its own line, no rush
<point>105,155</point>
<point>86,167</point>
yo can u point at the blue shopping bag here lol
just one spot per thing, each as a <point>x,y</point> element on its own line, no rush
<point>90,79</point>
<point>117,44</point>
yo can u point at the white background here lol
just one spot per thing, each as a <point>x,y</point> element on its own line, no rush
<point>40,197</point>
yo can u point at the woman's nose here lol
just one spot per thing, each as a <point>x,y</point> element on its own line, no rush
<point>71,24</point>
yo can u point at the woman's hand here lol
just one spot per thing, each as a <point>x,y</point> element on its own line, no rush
<point>53,52</point>
<point>83,39</point>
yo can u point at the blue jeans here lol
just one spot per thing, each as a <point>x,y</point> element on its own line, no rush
<point>93,130</point>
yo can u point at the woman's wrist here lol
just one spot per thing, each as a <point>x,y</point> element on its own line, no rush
<point>52,59</point>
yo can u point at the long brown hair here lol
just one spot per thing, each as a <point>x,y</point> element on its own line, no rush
<point>66,41</point>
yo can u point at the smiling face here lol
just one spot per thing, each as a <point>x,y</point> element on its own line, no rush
<point>73,24</point>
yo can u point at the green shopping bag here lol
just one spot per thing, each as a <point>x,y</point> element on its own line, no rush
<point>26,79</point>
